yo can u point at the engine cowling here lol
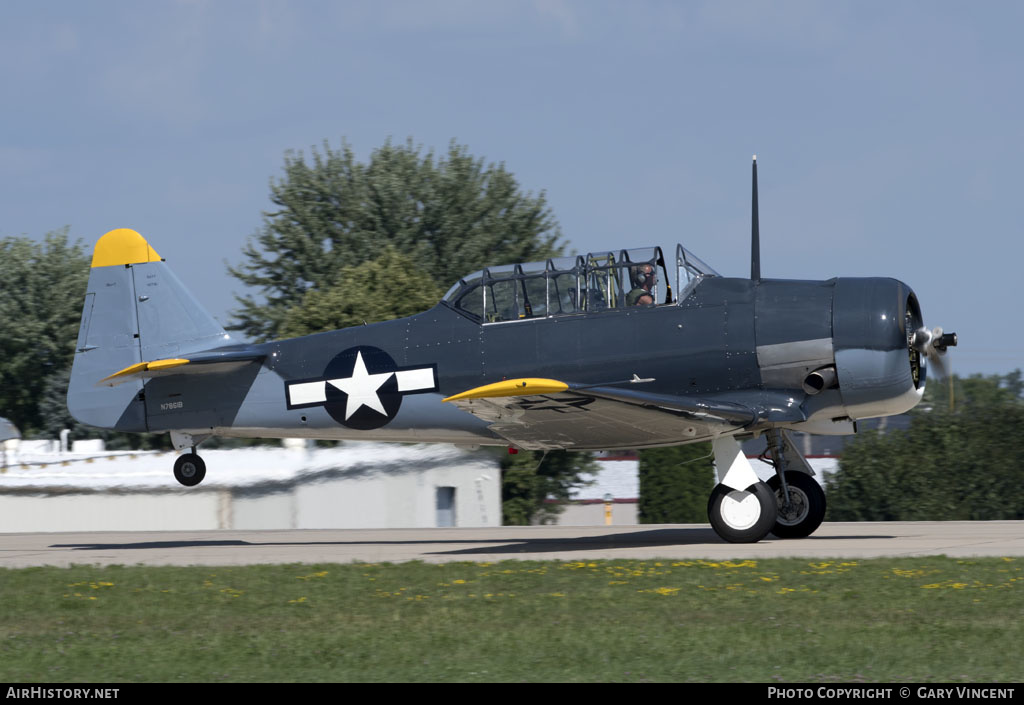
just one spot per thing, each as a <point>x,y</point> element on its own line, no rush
<point>879,370</point>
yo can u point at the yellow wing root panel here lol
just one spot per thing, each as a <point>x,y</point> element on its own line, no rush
<point>512,388</point>
<point>142,367</point>
<point>122,246</point>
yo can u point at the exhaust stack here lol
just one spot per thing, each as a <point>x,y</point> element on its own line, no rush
<point>820,380</point>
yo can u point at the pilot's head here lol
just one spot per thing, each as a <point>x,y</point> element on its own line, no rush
<point>643,276</point>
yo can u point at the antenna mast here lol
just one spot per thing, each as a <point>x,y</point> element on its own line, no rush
<point>755,236</point>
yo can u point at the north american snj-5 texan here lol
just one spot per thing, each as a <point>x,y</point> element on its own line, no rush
<point>612,350</point>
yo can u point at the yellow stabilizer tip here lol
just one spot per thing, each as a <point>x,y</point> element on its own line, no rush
<point>122,246</point>
<point>145,367</point>
<point>164,364</point>
<point>513,388</point>
<point>130,370</point>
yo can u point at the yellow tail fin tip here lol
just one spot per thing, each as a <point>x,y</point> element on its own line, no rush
<point>122,246</point>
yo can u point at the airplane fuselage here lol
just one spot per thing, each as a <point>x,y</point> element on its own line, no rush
<point>729,339</point>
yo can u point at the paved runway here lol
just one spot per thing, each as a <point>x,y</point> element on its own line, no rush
<point>832,540</point>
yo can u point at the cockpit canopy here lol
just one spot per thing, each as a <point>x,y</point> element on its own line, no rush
<point>598,281</point>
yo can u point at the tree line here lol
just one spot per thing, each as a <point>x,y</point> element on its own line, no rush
<point>959,459</point>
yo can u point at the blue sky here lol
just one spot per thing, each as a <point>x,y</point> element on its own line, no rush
<point>888,134</point>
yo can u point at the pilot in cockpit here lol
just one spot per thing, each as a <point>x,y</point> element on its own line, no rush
<point>643,279</point>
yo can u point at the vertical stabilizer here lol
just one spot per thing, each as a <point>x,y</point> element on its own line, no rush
<point>135,310</point>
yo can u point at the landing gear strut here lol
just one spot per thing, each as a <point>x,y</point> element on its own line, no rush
<point>742,509</point>
<point>799,497</point>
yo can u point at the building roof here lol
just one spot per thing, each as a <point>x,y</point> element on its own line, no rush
<point>266,467</point>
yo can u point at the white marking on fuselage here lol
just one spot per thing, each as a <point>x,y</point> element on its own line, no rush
<point>415,380</point>
<point>361,388</point>
<point>307,393</point>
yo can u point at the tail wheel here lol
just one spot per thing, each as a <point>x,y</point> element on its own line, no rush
<point>807,505</point>
<point>189,469</point>
<point>742,516</point>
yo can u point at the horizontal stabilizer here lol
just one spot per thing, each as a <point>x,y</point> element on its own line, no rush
<point>206,362</point>
<point>8,430</point>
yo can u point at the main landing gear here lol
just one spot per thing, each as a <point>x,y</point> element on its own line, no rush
<point>800,499</point>
<point>743,509</point>
<point>189,469</point>
<point>805,510</point>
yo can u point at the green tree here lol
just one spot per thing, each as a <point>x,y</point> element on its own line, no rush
<point>535,486</point>
<point>962,464</point>
<point>449,215</point>
<point>349,243</point>
<point>675,483</point>
<point>975,392</point>
<point>390,286</point>
<point>42,287</point>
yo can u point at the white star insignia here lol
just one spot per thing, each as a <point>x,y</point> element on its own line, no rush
<point>361,388</point>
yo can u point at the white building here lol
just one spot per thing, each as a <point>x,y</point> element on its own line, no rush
<point>364,485</point>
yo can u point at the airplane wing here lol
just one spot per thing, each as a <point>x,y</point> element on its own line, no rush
<point>205,362</point>
<point>545,414</point>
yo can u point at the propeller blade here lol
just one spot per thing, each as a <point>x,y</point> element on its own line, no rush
<point>933,345</point>
<point>938,361</point>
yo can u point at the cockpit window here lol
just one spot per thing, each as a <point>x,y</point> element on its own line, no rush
<point>472,301</point>
<point>596,282</point>
<point>563,278</point>
<point>690,270</point>
<point>604,287</point>
<point>534,288</point>
<point>645,277</point>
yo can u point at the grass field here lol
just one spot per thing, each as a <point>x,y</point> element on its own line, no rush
<point>914,619</point>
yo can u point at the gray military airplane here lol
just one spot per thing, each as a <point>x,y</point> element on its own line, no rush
<point>610,350</point>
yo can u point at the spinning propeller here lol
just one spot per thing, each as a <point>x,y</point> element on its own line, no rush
<point>933,344</point>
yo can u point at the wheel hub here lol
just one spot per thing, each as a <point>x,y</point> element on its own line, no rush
<point>797,509</point>
<point>740,510</point>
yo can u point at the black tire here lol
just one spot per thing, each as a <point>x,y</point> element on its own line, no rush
<point>189,469</point>
<point>742,517</point>
<point>808,505</point>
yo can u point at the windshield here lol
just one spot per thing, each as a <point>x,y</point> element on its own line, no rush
<point>690,270</point>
